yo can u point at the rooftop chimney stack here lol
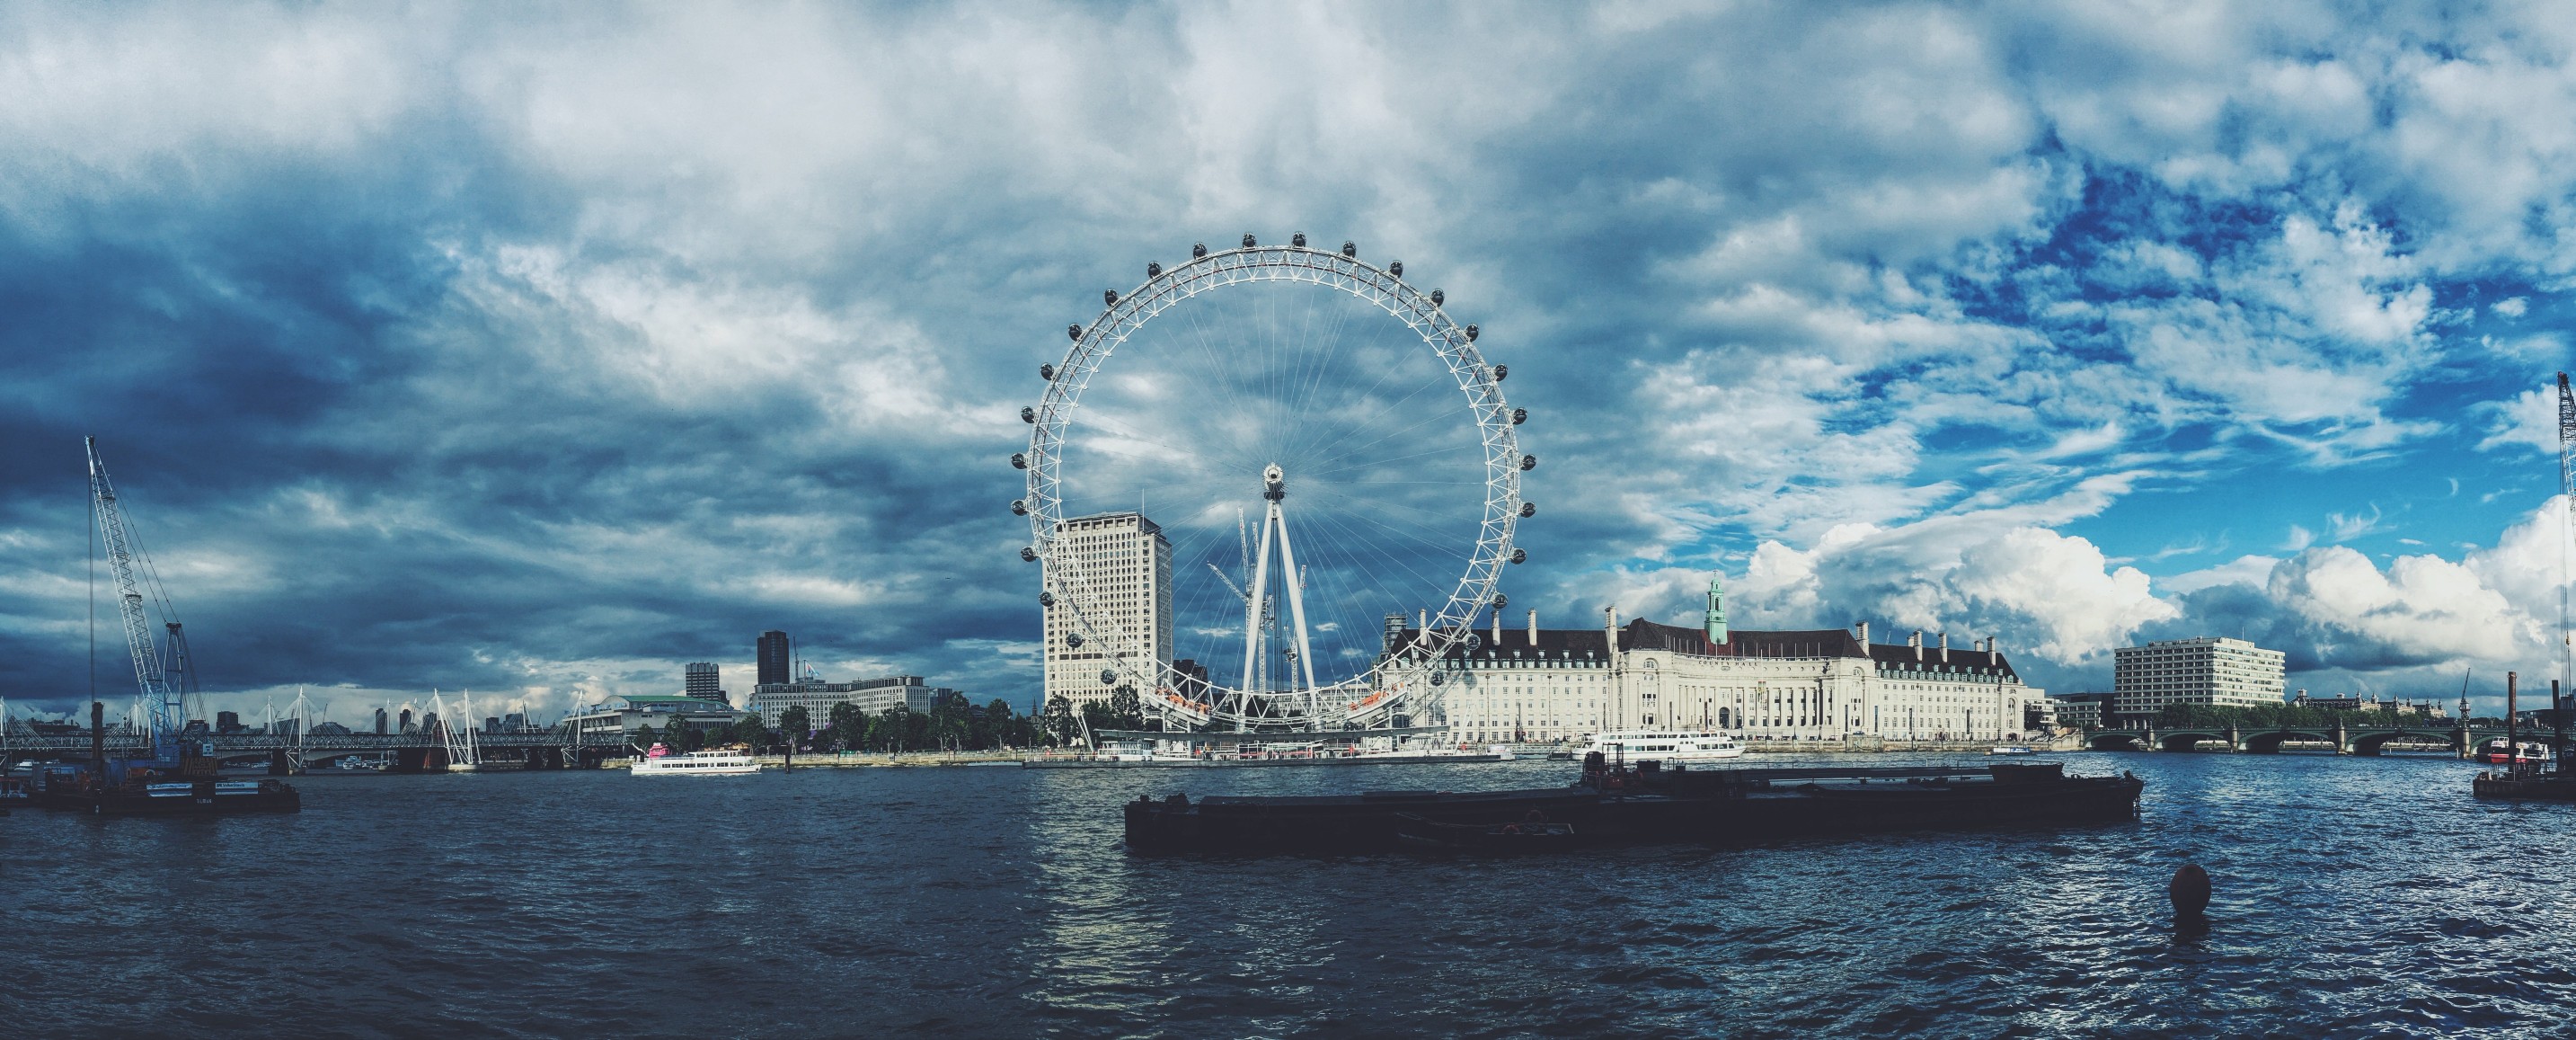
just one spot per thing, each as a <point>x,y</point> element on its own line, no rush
<point>1916,641</point>
<point>1533,630</point>
<point>1945,648</point>
<point>1864,636</point>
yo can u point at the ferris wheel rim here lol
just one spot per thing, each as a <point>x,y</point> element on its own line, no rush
<point>1124,315</point>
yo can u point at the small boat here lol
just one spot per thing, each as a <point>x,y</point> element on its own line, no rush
<point>2011,749</point>
<point>2498,752</point>
<point>1666,747</point>
<point>1536,834</point>
<point>731,761</point>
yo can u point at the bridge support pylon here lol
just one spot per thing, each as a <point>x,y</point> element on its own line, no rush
<point>2235,740</point>
<point>2342,741</point>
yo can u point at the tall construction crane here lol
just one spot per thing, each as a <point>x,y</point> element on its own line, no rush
<point>163,681</point>
<point>2566,489</point>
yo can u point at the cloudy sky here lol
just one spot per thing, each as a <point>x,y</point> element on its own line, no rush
<point>539,351</point>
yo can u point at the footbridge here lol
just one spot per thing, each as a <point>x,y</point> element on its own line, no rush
<point>2346,740</point>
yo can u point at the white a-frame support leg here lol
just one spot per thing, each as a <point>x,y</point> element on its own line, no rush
<point>1275,519</point>
<point>1252,605</point>
<point>1294,579</point>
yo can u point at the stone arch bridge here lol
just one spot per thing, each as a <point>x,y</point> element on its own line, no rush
<point>2347,740</point>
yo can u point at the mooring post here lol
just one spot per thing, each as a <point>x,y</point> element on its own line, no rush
<point>2558,729</point>
<point>2512,734</point>
<point>2189,891</point>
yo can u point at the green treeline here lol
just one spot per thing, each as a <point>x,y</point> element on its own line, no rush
<point>951,724</point>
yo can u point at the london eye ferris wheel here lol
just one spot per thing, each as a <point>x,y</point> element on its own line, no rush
<point>1324,449</point>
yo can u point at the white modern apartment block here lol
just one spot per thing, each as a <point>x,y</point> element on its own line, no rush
<point>818,698</point>
<point>2210,670</point>
<point>1127,564</point>
<point>1535,684</point>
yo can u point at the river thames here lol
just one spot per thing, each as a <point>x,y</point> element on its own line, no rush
<point>2354,897</point>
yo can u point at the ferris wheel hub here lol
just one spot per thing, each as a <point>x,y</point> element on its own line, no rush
<point>1274,482</point>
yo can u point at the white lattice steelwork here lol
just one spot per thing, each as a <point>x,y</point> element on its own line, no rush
<point>1364,692</point>
<point>158,691</point>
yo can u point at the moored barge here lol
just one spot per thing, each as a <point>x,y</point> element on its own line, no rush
<point>184,784</point>
<point>1616,806</point>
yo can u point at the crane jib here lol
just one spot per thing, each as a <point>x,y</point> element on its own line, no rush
<point>161,696</point>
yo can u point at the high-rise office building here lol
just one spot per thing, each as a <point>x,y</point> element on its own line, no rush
<point>776,658</point>
<point>2211,670</point>
<point>1127,565</point>
<point>702,681</point>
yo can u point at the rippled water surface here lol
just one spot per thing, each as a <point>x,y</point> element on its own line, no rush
<point>2354,897</point>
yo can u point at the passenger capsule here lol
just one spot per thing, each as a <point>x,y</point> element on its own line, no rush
<point>1501,601</point>
<point>1247,240</point>
<point>1351,250</point>
<point>1438,678</point>
<point>1046,371</point>
<point>1298,240</point>
<point>1046,599</point>
<point>1028,415</point>
<point>1028,554</point>
<point>1153,270</point>
<point>1471,334</point>
<point>1019,507</point>
<point>1073,332</point>
<point>1528,463</point>
<point>1439,299</point>
<point>1502,372</point>
<point>1519,416</point>
<point>1528,510</point>
<point>1019,461</point>
<point>1109,296</point>
<point>1108,677</point>
<point>1198,250</point>
<point>1073,639</point>
<point>1396,268</point>
<point>1520,556</point>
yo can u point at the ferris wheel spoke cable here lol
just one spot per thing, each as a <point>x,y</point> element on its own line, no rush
<point>1383,510</point>
<point>1398,560</point>
<point>1385,406</point>
<point>1211,353</point>
<point>1401,458</point>
<point>1432,417</point>
<point>1353,578</point>
<point>1323,366</point>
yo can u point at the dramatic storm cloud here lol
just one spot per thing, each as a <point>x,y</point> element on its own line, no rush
<point>538,352</point>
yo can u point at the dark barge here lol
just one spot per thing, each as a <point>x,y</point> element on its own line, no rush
<point>1616,806</point>
<point>184,784</point>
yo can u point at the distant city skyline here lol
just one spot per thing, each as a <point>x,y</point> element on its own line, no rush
<point>511,354</point>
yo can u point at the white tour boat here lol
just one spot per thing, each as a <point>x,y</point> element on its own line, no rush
<point>1669,747</point>
<point>718,762</point>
